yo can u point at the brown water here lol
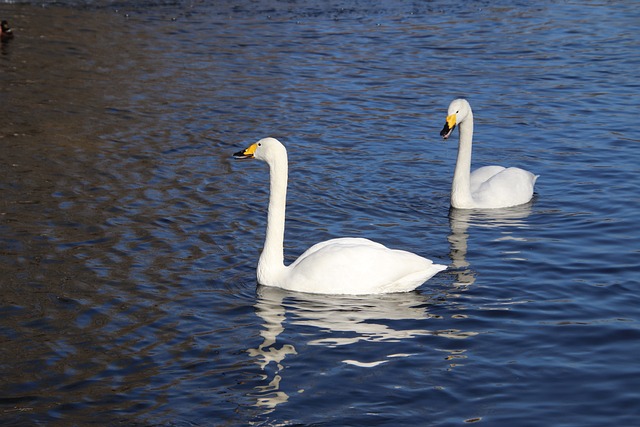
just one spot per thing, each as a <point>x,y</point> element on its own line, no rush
<point>79,129</point>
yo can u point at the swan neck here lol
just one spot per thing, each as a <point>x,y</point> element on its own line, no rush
<point>272,258</point>
<point>461,187</point>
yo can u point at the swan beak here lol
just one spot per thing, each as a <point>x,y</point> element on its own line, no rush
<point>449,126</point>
<point>247,153</point>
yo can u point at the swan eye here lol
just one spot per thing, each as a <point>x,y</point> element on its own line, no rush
<point>259,145</point>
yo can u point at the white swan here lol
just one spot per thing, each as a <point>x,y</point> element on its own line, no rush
<point>339,266</point>
<point>487,187</point>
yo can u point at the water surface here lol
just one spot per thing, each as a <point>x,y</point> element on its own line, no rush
<point>129,236</point>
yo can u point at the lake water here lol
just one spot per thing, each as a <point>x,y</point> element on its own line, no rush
<point>129,236</point>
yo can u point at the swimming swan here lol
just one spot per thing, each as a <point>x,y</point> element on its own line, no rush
<point>487,187</point>
<point>347,265</point>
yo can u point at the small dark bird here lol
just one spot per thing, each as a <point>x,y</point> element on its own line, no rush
<point>6,32</point>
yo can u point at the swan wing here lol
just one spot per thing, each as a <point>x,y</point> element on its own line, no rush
<point>342,241</point>
<point>483,174</point>
<point>509,187</point>
<point>358,266</point>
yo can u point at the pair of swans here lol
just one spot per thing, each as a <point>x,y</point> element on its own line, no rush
<point>360,266</point>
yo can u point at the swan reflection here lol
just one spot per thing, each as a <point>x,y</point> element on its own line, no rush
<point>339,320</point>
<point>460,220</point>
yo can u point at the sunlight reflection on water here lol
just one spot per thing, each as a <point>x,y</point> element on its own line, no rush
<point>339,321</point>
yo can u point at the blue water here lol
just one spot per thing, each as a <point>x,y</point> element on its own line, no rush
<point>129,236</point>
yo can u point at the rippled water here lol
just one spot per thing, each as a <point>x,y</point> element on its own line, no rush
<point>129,236</point>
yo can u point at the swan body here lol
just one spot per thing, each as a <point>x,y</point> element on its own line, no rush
<point>488,187</point>
<point>348,265</point>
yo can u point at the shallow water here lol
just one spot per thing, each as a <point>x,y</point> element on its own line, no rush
<point>129,235</point>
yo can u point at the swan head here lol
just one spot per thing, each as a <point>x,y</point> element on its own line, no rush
<point>267,149</point>
<point>459,110</point>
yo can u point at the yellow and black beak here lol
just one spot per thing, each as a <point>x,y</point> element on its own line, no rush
<point>449,126</point>
<point>247,153</point>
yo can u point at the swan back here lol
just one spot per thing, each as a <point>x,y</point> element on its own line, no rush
<point>509,187</point>
<point>358,266</point>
